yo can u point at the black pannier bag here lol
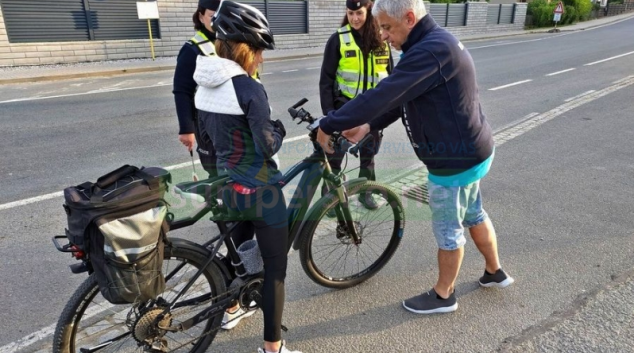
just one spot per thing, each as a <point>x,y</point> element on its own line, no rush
<point>119,222</point>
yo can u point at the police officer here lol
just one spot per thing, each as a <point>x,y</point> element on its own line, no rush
<point>355,60</point>
<point>202,43</point>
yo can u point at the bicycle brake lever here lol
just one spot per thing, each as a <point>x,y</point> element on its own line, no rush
<point>355,150</point>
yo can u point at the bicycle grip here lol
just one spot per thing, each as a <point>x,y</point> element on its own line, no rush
<point>300,103</point>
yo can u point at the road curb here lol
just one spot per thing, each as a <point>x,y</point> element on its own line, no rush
<point>86,74</point>
<point>106,73</point>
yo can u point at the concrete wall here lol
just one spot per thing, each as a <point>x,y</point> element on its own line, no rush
<point>176,27</point>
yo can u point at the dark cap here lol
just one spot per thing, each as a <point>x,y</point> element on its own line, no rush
<point>356,4</point>
<point>209,4</point>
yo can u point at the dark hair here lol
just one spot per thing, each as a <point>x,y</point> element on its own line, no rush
<point>371,38</point>
<point>196,18</point>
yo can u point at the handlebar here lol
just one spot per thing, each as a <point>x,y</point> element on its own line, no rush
<point>300,103</point>
<point>339,142</point>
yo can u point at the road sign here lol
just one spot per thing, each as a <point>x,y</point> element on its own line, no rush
<point>147,10</point>
<point>557,17</point>
<point>559,9</point>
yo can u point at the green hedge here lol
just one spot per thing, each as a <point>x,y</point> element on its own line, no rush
<point>575,11</point>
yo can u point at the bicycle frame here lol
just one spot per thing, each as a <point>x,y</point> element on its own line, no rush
<point>313,169</point>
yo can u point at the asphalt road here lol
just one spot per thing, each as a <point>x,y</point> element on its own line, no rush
<point>559,194</point>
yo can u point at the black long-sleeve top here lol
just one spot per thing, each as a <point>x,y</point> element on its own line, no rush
<point>329,66</point>
<point>185,86</point>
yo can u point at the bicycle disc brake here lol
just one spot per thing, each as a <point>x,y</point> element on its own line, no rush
<point>343,235</point>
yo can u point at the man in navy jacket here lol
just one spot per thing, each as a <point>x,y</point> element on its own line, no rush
<point>435,82</point>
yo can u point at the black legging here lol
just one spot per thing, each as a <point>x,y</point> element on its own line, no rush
<point>266,210</point>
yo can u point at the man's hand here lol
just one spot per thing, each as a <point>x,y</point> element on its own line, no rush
<point>356,134</point>
<point>188,140</point>
<point>324,141</point>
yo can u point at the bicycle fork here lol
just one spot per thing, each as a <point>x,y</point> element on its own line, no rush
<point>343,209</point>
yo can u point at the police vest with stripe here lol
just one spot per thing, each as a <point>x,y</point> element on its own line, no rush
<point>352,67</point>
<point>204,44</point>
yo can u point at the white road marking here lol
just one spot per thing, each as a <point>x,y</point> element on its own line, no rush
<point>503,135</point>
<point>509,85</point>
<point>6,206</point>
<point>28,340</point>
<point>579,96</point>
<point>313,68</point>
<point>81,93</point>
<point>608,59</point>
<point>560,72</point>
<point>290,70</point>
<point>24,202</point>
<point>48,331</point>
<point>265,73</point>
<point>511,43</point>
<point>540,119</point>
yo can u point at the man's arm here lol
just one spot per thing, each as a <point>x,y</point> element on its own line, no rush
<point>415,74</point>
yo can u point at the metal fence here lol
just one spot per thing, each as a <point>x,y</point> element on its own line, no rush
<point>74,20</point>
<point>617,9</point>
<point>449,15</point>
<point>285,16</point>
<point>499,14</point>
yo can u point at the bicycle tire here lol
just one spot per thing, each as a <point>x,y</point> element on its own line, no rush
<point>79,312</point>
<point>308,253</point>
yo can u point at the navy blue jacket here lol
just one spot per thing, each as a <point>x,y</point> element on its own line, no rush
<point>185,86</point>
<point>234,110</point>
<point>435,82</point>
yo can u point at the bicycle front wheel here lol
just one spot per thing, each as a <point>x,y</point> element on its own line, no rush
<point>89,321</point>
<point>328,253</point>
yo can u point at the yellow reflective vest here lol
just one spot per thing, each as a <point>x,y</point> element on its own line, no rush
<point>351,73</point>
<point>204,44</point>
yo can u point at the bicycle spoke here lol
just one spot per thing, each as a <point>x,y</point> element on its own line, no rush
<point>333,251</point>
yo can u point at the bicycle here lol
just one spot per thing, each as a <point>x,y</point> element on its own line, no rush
<point>201,283</point>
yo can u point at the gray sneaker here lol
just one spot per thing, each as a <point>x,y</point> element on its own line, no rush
<point>431,303</point>
<point>499,279</point>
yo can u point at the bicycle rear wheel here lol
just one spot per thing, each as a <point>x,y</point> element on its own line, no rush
<point>88,320</point>
<point>328,253</point>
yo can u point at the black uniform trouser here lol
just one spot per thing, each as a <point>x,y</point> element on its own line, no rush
<point>366,157</point>
<point>205,148</point>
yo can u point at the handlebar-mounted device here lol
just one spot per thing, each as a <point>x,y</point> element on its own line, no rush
<point>339,142</point>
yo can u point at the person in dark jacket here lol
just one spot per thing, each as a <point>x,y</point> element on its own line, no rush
<point>185,87</point>
<point>235,112</point>
<point>355,60</point>
<point>435,81</point>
